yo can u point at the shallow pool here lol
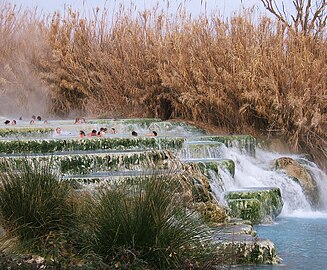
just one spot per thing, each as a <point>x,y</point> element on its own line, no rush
<point>300,242</point>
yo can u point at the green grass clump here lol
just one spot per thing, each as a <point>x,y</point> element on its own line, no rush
<point>35,205</point>
<point>144,223</point>
<point>141,223</point>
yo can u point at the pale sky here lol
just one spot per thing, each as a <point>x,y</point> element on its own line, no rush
<point>225,7</point>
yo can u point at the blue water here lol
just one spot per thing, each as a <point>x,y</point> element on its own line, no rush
<point>300,242</point>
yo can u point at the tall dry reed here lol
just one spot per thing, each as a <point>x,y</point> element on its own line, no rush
<point>242,74</point>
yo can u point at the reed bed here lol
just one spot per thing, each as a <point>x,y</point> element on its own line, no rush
<point>243,74</point>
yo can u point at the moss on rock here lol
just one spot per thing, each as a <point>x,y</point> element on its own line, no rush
<point>253,251</point>
<point>202,149</point>
<point>248,209</point>
<point>50,146</point>
<point>229,165</point>
<point>97,162</point>
<point>25,131</point>
<point>211,212</point>
<point>259,205</point>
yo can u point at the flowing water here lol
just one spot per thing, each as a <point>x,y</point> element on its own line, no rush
<point>299,233</point>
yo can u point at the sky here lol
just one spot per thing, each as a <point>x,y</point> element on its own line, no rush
<point>195,7</point>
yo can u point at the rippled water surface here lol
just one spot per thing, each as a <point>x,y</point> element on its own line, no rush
<point>300,242</point>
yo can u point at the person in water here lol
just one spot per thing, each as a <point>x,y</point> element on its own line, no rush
<point>39,118</point>
<point>154,133</point>
<point>113,131</point>
<point>13,122</point>
<point>134,133</point>
<point>7,122</point>
<point>80,120</point>
<point>102,132</point>
<point>82,134</point>
<point>58,131</point>
<point>32,122</point>
<point>93,133</point>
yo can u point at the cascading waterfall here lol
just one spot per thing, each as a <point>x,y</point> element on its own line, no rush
<point>88,162</point>
<point>321,181</point>
<point>259,172</point>
<point>221,183</point>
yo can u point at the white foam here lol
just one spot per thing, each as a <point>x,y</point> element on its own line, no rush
<point>259,172</point>
<point>307,214</point>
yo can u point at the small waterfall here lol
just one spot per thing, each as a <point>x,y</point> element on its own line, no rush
<point>220,183</point>
<point>201,150</point>
<point>321,180</point>
<point>259,172</point>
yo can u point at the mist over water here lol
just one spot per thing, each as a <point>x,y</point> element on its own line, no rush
<point>22,94</point>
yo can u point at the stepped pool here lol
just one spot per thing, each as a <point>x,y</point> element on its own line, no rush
<point>229,163</point>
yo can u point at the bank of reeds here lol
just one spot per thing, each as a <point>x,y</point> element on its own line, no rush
<point>241,74</point>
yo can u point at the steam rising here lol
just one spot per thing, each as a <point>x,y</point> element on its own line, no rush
<point>21,92</point>
<point>22,42</point>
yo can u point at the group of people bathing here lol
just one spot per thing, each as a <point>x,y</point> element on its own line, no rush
<point>8,122</point>
<point>82,134</point>
<point>95,133</point>
<point>32,122</point>
<point>101,132</point>
<point>39,119</point>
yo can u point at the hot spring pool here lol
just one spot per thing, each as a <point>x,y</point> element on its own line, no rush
<point>301,242</point>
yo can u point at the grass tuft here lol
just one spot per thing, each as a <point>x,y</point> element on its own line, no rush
<point>143,222</point>
<point>35,205</point>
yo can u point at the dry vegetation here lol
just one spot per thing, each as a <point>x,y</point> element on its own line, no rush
<point>235,74</point>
